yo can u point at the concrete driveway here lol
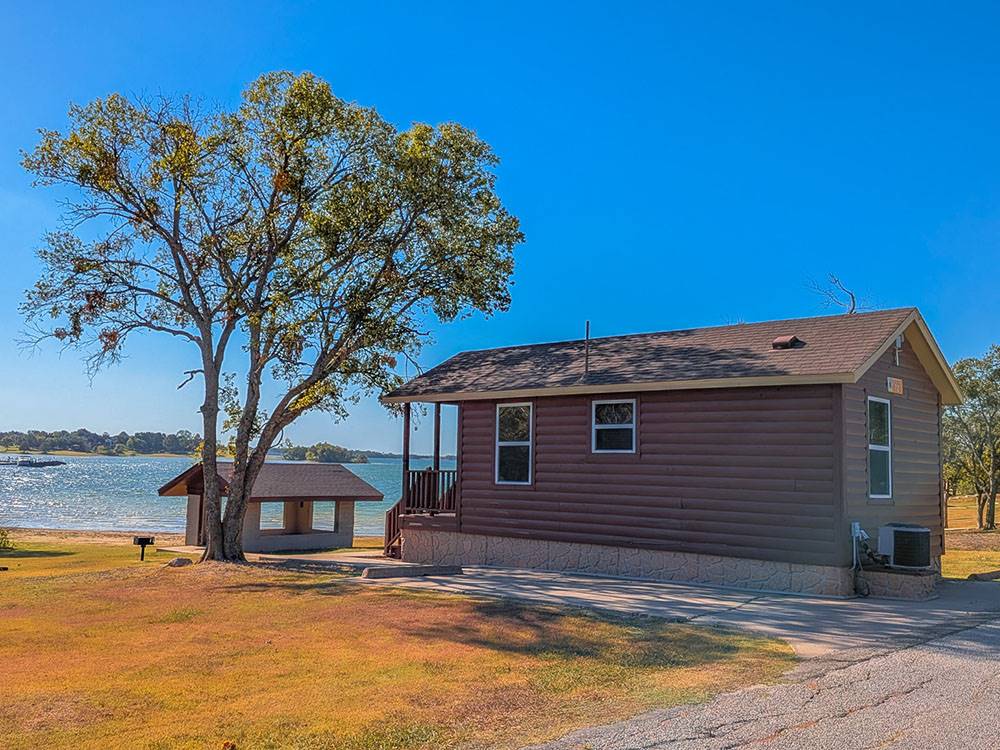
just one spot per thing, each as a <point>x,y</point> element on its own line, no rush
<point>892,675</point>
<point>876,673</point>
<point>938,694</point>
<point>815,627</point>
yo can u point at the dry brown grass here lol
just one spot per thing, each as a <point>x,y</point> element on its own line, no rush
<point>962,512</point>
<point>966,563</point>
<point>101,651</point>
<point>368,542</point>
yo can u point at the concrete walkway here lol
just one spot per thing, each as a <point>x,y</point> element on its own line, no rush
<point>835,629</point>
<point>354,558</point>
<point>815,627</point>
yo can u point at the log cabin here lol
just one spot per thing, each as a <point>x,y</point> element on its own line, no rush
<point>751,455</point>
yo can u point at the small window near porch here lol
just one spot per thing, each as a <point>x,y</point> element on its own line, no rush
<point>513,457</point>
<point>879,448</point>
<point>613,426</point>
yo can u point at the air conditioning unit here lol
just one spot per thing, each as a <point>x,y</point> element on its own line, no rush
<point>905,545</point>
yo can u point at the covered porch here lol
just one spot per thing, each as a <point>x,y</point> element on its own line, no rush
<point>430,496</point>
<point>298,525</point>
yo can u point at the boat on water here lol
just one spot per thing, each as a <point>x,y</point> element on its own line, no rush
<point>27,462</point>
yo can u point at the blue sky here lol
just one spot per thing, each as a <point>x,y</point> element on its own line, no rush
<point>672,165</point>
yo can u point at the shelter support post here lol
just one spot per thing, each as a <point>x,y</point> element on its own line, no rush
<point>437,437</point>
<point>406,451</point>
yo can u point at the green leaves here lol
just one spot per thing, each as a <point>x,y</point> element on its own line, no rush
<point>971,431</point>
<point>306,228</point>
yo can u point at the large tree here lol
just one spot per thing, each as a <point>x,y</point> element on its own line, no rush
<point>298,238</point>
<point>972,432</point>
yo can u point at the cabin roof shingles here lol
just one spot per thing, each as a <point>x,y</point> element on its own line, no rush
<point>833,345</point>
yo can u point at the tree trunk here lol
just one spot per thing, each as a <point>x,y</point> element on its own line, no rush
<point>215,548</point>
<point>246,465</point>
<point>244,475</point>
<point>991,506</point>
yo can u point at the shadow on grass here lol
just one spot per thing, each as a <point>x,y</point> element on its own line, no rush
<point>554,633</point>
<point>323,578</point>
<point>25,553</point>
<point>991,575</point>
<point>546,631</point>
<point>525,629</point>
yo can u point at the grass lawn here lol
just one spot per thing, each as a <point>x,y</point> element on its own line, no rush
<point>962,512</point>
<point>99,650</point>
<point>968,551</point>
<point>961,563</point>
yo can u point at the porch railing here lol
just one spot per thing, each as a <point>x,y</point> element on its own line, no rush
<point>393,537</point>
<point>430,491</point>
<point>425,491</point>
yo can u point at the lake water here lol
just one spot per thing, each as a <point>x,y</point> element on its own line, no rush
<point>109,493</point>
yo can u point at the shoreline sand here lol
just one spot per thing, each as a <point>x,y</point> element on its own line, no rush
<point>97,536</point>
<point>90,536</point>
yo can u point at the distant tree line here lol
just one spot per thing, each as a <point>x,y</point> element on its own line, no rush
<point>85,441</point>
<point>335,454</point>
<point>324,453</point>
<point>971,434</point>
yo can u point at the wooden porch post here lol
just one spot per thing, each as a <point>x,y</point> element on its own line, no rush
<point>437,437</point>
<point>406,454</point>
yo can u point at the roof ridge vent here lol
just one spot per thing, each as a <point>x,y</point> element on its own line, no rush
<point>788,342</point>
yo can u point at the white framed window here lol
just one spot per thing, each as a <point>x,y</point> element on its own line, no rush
<point>879,448</point>
<point>514,437</point>
<point>613,426</point>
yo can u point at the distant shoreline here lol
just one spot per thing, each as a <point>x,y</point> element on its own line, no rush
<point>87,454</point>
<point>133,454</point>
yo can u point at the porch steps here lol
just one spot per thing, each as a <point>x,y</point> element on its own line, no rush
<point>411,571</point>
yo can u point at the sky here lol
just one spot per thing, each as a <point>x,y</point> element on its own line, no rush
<point>673,165</point>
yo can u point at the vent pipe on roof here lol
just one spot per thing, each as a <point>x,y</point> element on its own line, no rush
<point>787,342</point>
<point>586,350</point>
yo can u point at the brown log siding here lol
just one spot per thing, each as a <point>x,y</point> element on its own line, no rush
<point>744,472</point>
<point>916,467</point>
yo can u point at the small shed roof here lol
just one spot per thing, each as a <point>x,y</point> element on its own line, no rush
<point>829,349</point>
<point>282,481</point>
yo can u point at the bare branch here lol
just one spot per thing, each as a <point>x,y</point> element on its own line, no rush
<point>190,376</point>
<point>835,294</point>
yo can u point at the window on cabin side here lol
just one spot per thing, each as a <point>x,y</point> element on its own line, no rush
<point>513,456</point>
<point>879,448</point>
<point>613,426</point>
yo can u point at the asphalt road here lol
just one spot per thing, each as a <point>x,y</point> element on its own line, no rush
<point>941,693</point>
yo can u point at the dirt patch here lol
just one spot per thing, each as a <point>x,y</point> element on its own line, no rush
<point>54,713</point>
<point>972,539</point>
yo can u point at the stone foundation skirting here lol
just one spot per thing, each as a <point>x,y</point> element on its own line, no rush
<point>438,547</point>
<point>896,584</point>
